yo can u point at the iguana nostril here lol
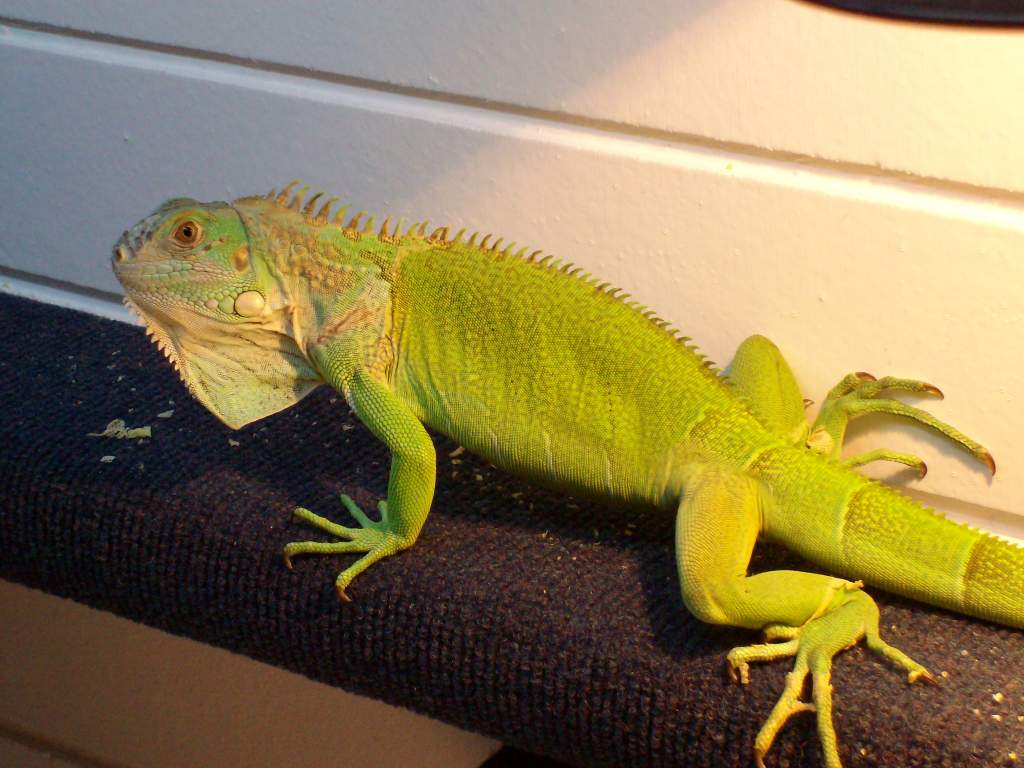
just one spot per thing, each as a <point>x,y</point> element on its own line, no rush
<point>120,254</point>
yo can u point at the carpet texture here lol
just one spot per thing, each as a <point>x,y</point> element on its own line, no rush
<point>552,624</point>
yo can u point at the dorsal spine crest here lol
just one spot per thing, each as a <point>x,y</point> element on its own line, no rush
<point>439,237</point>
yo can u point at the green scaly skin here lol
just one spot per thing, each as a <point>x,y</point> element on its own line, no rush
<point>550,375</point>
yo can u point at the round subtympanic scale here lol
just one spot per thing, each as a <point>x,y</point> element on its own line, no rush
<point>249,304</point>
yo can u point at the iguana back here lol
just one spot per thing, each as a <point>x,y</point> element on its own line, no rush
<point>551,375</point>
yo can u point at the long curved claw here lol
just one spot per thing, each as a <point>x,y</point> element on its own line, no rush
<point>922,674</point>
<point>986,457</point>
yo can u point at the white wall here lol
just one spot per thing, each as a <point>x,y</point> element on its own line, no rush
<point>852,188</point>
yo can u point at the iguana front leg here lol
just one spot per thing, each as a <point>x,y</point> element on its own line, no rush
<point>410,486</point>
<point>763,377</point>
<point>815,616</point>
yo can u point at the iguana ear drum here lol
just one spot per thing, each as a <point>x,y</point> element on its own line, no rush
<point>240,258</point>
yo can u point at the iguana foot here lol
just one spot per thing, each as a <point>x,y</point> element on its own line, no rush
<point>814,645</point>
<point>372,537</point>
<point>857,394</point>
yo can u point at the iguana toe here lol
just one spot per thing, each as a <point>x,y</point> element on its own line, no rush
<point>372,539</point>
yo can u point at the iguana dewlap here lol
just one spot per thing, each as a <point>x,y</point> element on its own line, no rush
<point>554,376</point>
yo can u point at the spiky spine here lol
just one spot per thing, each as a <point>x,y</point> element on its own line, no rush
<point>287,200</point>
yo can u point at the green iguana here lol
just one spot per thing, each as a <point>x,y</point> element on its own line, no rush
<point>552,375</point>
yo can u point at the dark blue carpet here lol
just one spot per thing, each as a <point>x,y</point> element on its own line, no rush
<point>552,624</point>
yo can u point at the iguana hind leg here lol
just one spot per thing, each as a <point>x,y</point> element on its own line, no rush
<point>760,373</point>
<point>815,616</point>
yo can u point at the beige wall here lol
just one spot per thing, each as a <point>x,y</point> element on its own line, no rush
<point>850,187</point>
<point>80,688</point>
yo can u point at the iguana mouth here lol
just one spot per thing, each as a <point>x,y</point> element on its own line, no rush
<point>129,274</point>
<point>144,275</point>
<point>126,249</point>
<point>151,273</point>
<point>122,251</point>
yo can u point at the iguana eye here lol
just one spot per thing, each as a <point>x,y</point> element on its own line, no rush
<point>187,233</point>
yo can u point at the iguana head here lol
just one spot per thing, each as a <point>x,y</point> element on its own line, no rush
<point>190,260</point>
<point>189,271</point>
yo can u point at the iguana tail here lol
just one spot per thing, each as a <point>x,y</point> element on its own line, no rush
<point>863,529</point>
